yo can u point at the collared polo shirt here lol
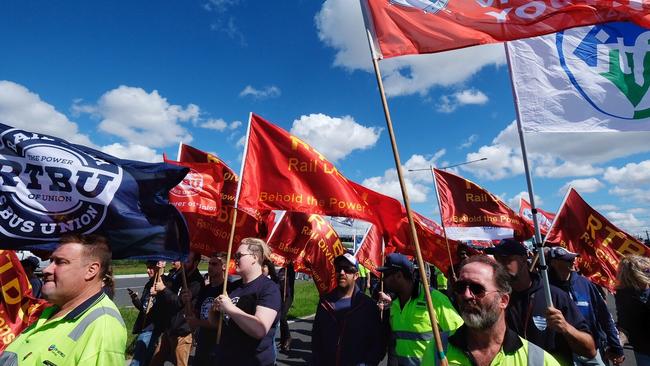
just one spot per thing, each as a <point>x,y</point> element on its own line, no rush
<point>93,333</point>
<point>515,351</point>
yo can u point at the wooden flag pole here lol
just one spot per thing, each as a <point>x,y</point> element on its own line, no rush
<point>186,307</point>
<point>232,227</point>
<point>407,204</point>
<point>442,223</point>
<point>543,269</point>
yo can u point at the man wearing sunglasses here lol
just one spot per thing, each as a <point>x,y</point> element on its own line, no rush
<point>409,318</point>
<point>347,328</point>
<point>482,293</point>
<point>560,330</point>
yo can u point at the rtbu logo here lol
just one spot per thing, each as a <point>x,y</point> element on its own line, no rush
<point>50,187</point>
<point>191,185</point>
<point>617,55</point>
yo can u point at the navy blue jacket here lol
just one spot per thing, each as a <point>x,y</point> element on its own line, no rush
<point>358,337</point>
<point>594,308</point>
<point>526,315</point>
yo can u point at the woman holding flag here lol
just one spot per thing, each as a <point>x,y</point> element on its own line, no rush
<point>251,311</point>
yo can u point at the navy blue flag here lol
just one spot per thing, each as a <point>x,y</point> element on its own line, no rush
<point>51,187</point>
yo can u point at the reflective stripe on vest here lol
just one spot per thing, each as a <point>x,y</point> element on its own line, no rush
<point>8,359</point>
<point>81,327</point>
<point>413,336</point>
<point>535,355</point>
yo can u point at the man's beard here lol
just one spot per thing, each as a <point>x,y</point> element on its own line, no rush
<point>481,317</point>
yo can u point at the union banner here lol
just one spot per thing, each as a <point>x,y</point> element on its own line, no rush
<point>470,212</point>
<point>544,218</point>
<point>211,233</point>
<point>282,172</point>
<point>405,27</point>
<point>601,245</point>
<point>369,254</point>
<point>18,308</point>
<point>312,243</point>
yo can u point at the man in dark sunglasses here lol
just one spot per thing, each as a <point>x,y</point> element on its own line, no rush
<point>482,293</point>
<point>560,330</point>
<point>347,328</point>
<point>409,319</point>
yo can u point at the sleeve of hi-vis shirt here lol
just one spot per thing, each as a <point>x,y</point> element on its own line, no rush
<point>103,343</point>
<point>448,318</point>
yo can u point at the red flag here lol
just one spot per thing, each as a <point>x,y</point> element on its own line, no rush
<point>369,254</point>
<point>472,213</point>
<point>281,172</point>
<point>405,27</point>
<point>18,307</point>
<point>311,242</point>
<point>187,153</point>
<point>544,219</point>
<point>211,234</point>
<point>431,239</point>
<point>288,241</point>
<point>200,191</point>
<point>581,229</point>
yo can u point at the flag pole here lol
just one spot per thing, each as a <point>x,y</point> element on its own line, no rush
<point>543,269</point>
<point>405,197</point>
<point>234,224</point>
<point>442,223</point>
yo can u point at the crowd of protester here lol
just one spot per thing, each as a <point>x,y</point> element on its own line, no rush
<point>490,309</point>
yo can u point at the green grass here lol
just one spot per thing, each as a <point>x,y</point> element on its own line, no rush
<point>304,303</point>
<point>129,266</point>
<point>129,315</point>
<point>305,299</point>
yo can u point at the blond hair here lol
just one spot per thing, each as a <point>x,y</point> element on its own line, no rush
<point>634,272</point>
<point>259,247</point>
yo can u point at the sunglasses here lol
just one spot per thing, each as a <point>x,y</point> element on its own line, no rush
<point>477,290</point>
<point>348,270</point>
<point>238,256</point>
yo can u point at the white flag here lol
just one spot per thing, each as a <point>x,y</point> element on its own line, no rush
<point>584,79</point>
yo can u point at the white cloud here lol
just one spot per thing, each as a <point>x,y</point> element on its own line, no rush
<point>631,175</point>
<point>235,125</point>
<point>418,184</point>
<point>21,108</point>
<point>334,137</point>
<point>449,103</point>
<point>133,152</point>
<point>606,207</point>
<point>514,201</point>
<point>588,185</point>
<point>264,93</point>
<point>144,118</point>
<point>340,27</point>
<point>469,142</point>
<point>626,221</point>
<point>554,155</point>
<point>215,124</point>
<point>637,195</point>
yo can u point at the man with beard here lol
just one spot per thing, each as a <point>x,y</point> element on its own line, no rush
<point>347,328</point>
<point>482,293</point>
<point>560,330</point>
<point>410,325</point>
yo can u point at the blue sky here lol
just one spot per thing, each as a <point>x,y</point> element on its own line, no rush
<point>133,78</point>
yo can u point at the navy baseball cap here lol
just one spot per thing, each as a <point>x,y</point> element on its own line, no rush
<point>396,261</point>
<point>562,254</point>
<point>507,247</point>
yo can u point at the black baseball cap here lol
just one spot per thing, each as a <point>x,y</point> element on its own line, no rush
<point>507,247</point>
<point>562,254</point>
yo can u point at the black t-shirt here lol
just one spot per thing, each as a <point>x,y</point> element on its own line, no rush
<point>526,315</point>
<point>237,347</point>
<point>206,338</point>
